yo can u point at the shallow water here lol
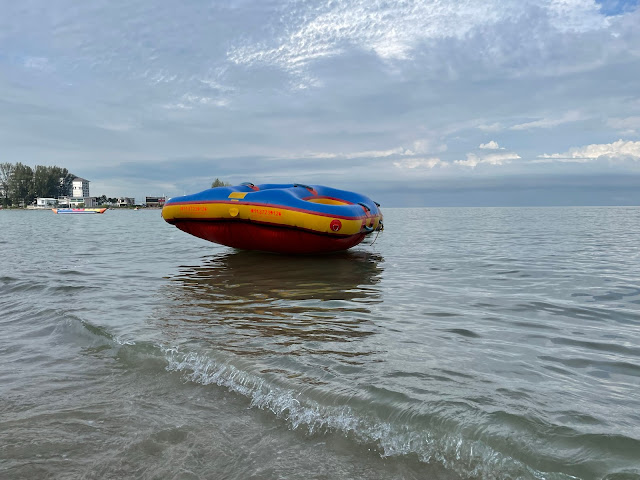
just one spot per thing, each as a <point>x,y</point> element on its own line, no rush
<point>464,343</point>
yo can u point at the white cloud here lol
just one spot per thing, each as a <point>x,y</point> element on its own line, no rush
<point>202,100</point>
<point>626,126</point>
<point>425,146</point>
<point>38,63</point>
<point>177,106</point>
<point>215,85</point>
<point>412,163</point>
<point>376,153</point>
<point>576,15</point>
<point>159,77</point>
<point>418,147</point>
<point>617,150</point>
<point>474,160</point>
<point>399,30</point>
<point>492,145</point>
<point>493,127</point>
<point>573,116</point>
<point>117,127</point>
<point>313,155</point>
<point>188,101</point>
<point>398,151</point>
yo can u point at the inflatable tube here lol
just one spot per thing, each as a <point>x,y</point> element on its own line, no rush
<point>288,218</point>
<point>78,210</point>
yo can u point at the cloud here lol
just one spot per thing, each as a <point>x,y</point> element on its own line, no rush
<point>390,30</point>
<point>375,153</point>
<point>576,15</point>
<point>492,145</point>
<point>573,116</point>
<point>38,63</point>
<point>493,127</point>
<point>454,40</point>
<point>395,30</point>
<point>474,160</point>
<point>626,126</point>
<point>617,150</point>
<point>413,163</point>
<point>117,126</point>
<point>417,147</point>
<point>216,85</point>
<point>425,146</point>
<point>189,101</point>
<point>344,91</point>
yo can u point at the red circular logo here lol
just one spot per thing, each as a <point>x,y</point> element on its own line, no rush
<point>335,225</point>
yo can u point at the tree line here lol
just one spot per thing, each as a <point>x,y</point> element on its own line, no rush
<point>21,185</point>
<point>219,183</point>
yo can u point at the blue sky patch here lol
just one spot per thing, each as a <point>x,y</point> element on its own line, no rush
<point>617,7</point>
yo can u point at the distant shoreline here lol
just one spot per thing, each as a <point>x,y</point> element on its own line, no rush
<point>50,208</point>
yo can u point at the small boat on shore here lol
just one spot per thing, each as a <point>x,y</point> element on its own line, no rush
<point>78,210</point>
<point>281,218</point>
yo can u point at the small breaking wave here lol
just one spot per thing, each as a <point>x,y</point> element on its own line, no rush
<point>464,457</point>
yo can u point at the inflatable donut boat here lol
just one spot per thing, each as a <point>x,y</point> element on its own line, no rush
<point>292,218</point>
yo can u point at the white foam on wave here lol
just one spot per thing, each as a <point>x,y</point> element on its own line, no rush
<point>283,403</point>
<point>118,340</point>
<point>467,458</point>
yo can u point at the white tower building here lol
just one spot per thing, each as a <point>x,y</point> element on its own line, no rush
<point>80,188</point>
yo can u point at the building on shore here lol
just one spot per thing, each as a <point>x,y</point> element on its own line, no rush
<point>79,187</point>
<point>126,201</point>
<point>78,196</point>
<point>46,202</point>
<point>75,202</point>
<point>154,201</point>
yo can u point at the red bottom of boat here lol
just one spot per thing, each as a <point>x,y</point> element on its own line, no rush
<point>249,236</point>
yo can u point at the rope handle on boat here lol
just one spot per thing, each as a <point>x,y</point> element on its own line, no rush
<point>307,187</point>
<point>380,228</point>
<point>368,210</point>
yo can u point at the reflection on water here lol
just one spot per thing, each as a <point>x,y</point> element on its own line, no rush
<point>251,303</point>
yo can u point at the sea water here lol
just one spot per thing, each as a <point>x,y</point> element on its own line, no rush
<point>460,343</point>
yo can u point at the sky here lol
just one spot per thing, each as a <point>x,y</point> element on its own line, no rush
<point>413,103</point>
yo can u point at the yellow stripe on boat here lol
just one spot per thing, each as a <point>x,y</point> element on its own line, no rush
<point>264,214</point>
